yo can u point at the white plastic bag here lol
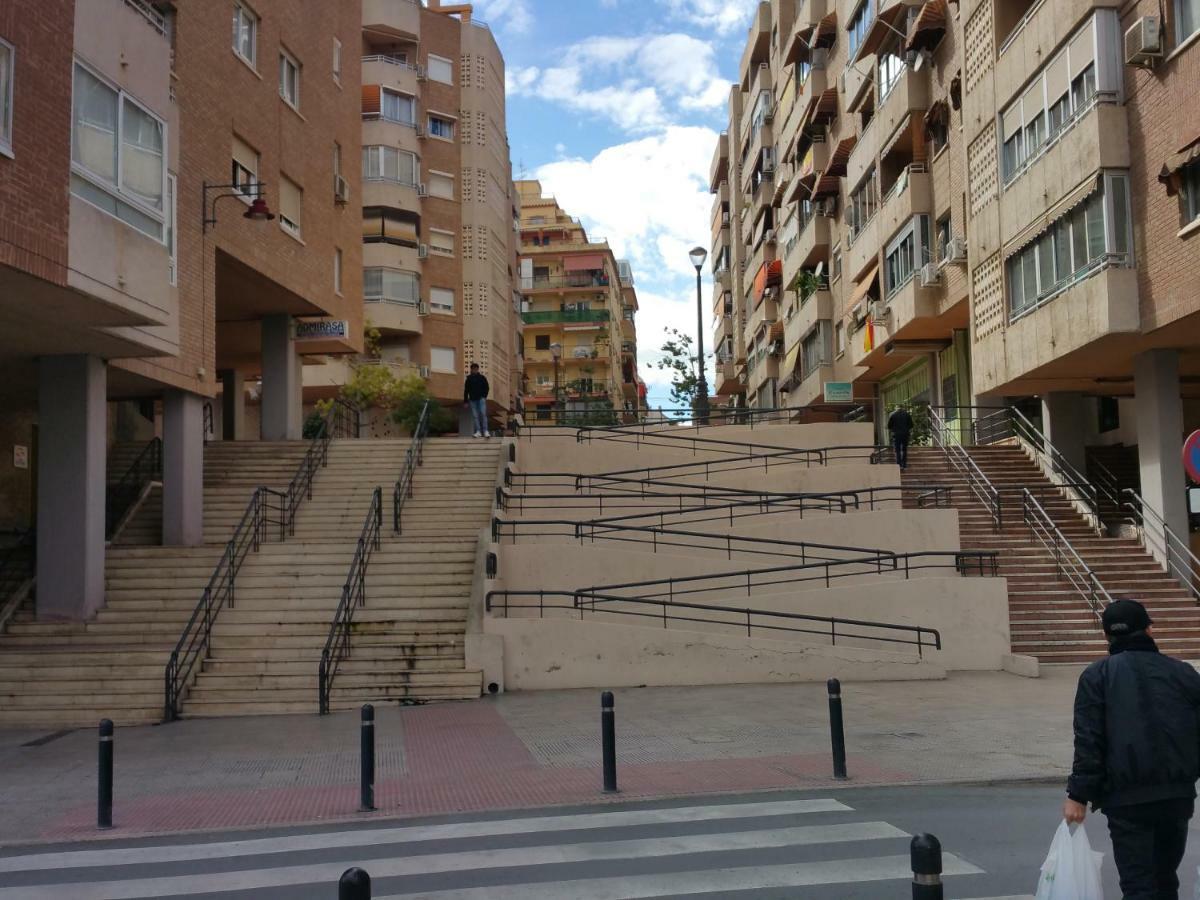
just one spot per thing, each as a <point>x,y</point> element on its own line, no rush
<point>1072,868</point>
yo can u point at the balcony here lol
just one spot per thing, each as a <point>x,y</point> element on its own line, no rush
<point>722,329</point>
<point>724,278</point>
<point>721,213</point>
<point>390,72</point>
<point>718,171</point>
<point>762,315</point>
<point>911,194</point>
<point>864,247</point>
<point>390,194</point>
<point>399,20</point>
<point>811,387</point>
<point>326,379</point>
<point>568,282</point>
<point>565,316</point>
<point>810,246</point>
<point>726,379</point>
<point>817,308</point>
<point>758,44</point>
<point>393,317</point>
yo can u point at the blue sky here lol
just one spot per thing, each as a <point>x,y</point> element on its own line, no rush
<point>615,105</point>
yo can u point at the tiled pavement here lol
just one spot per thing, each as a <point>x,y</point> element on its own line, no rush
<point>526,750</point>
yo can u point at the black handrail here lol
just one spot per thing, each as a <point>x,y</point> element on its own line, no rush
<point>193,644</point>
<point>1068,563</point>
<point>413,457</point>
<point>808,457</point>
<point>666,616</point>
<point>354,594</point>
<point>121,497</point>
<point>958,458</point>
<point>342,420</point>
<point>716,417</point>
<point>17,565</point>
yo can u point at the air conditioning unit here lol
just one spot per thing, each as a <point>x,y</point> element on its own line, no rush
<point>820,58</point>
<point>423,308</point>
<point>928,275</point>
<point>770,236</point>
<point>420,132</point>
<point>341,190</point>
<point>769,113</point>
<point>421,72</point>
<point>879,310</point>
<point>422,190</point>
<point>423,371</point>
<point>956,250</point>
<point>1144,42</point>
<point>423,251</point>
<point>827,208</point>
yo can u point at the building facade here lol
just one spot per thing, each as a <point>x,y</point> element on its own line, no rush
<point>141,281</point>
<point>968,204</point>
<point>437,201</point>
<point>580,337</point>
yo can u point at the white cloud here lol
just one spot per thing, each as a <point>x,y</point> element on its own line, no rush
<point>509,15</point>
<point>722,16</point>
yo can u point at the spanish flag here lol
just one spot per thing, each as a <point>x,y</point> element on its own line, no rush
<point>869,335</point>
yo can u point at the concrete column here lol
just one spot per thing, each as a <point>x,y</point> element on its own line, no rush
<point>72,421</point>
<point>1160,437</point>
<point>935,382</point>
<point>282,397</point>
<point>1065,422</point>
<point>233,405</point>
<point>183,469</point>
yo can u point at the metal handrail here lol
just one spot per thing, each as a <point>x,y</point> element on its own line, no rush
<point>1060,470</point>
<point>808,457</point>
<point>193,644</point>
<point>354,594</point>
<point>121,497</point>
<point>717,417</point>
<point>17,566</point>
<point>666,616</point>
<point>1068,563</point>
<point>413,457</point>
<point>958,458</point>
<point>336,423</point>
<point>1174,551</point>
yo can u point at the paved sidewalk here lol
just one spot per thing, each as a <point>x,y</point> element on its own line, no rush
<point>536,749</point>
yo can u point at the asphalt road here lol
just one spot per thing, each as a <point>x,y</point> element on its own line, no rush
<point>850,843</point>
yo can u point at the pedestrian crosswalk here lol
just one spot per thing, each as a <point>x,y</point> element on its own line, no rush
<point>615,853</point>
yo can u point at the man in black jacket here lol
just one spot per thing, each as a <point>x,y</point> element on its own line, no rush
<point>1137,752</point>
<point>900,424</point>
<point>475,392</point>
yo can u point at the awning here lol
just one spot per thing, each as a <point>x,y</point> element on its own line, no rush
<point>826,186</point>
<point>826,106</point>
<point>864,286</point>
<point>760,283</point>
<point>788,370</point>
<point>775,273</point>
<point>826,31</point>
<point>885,25</point>
<point>939,112</point>
<point>1170,174</point>
<point>370,99</point>
<point>905,131</point>
<point>801,187</point>
<point>841,156</point>
<point>583,263</point>
<point>928,28</point>
<point>1027,234</point>
<point>776,331</point>
<point>798,46</point>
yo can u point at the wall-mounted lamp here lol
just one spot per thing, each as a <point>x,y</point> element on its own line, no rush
<point>258,211</point>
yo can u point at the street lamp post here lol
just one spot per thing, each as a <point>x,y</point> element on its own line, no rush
<point>700,404</point>
<point>556,352</point>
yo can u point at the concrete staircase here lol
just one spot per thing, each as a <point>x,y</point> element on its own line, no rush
<point>1049,619</point>
<point>408,638</point>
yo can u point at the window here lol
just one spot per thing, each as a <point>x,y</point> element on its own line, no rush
<point>1079,242</point>
<point>441,185</point>
<point>441,127</point>
<point>859,23</point>
<point>384,225</point>
<point>907,252</point>
<point>440,69</point>
<point>441,300</point>
<point>291,204</point>
<point>337,60</point>
<point>837,265</point>
<point>172,252</point>
<point>938,133</point>
<point>863,203</point>
<point>1187,19</point>
<point>7,70</point>
<point>541,342</point>
<point>442,359</point>
<point>289,79</point>
<point>441,242</point>
<point>840,338</point>
<point>891,67</point>
<point>943,237</point>
<point>118,153</point>
<point>337,270</point>
<point>245,33</point>
<point>391,286</point>
<point>396,107</point>
<point>389,164</point>
<point>245,169</point>
<point>1190,191</point>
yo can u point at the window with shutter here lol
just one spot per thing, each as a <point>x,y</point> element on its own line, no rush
<point>291,204</point>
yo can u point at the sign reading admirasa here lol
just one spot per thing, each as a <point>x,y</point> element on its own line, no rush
<point>839,392</point>
<point>323,330</point>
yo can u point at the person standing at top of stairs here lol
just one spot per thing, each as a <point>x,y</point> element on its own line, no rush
<point>900,424</point>
<point>475,392</point>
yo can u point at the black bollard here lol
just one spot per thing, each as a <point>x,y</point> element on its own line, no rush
<point>608,740</point>
<point>105,794</point>
<point>926,853</point>
<point>367,801</point>
<point>837,733</point>
<point>355,884</point>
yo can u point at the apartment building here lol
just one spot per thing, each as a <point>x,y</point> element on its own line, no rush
<point>968,203</point>
<point>438,205</point>
<point>165,219</point>
<point>580,337</point>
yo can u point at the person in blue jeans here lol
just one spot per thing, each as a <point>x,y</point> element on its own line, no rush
<point>475,392</point>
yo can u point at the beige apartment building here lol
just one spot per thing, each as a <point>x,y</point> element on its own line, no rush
<point>968,204</point>
<point>580,335</point>
<point>170,209</point>
<point>438,205</point>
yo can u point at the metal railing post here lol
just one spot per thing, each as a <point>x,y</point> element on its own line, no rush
<point>104,798</point>
<point>367,759</point>
<point>608,741</point>
<point>837,733</point>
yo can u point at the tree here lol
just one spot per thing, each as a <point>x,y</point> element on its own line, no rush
<point>679,360</point>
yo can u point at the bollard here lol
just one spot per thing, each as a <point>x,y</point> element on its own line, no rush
<point>926,852</point>
<point>837,733</point>
<point>608,740</point>
<point>367,801</point>
<point>105,794</point>
<point>355,884</point>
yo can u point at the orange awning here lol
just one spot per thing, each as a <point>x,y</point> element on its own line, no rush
<point>930,25</point>
<point>583,263</point>
<point>760,283</point>
<point>841,156</point>
<point>886,24</point>
<point>775,273</point>
<point>864,286</point>
<point>776,331</point>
